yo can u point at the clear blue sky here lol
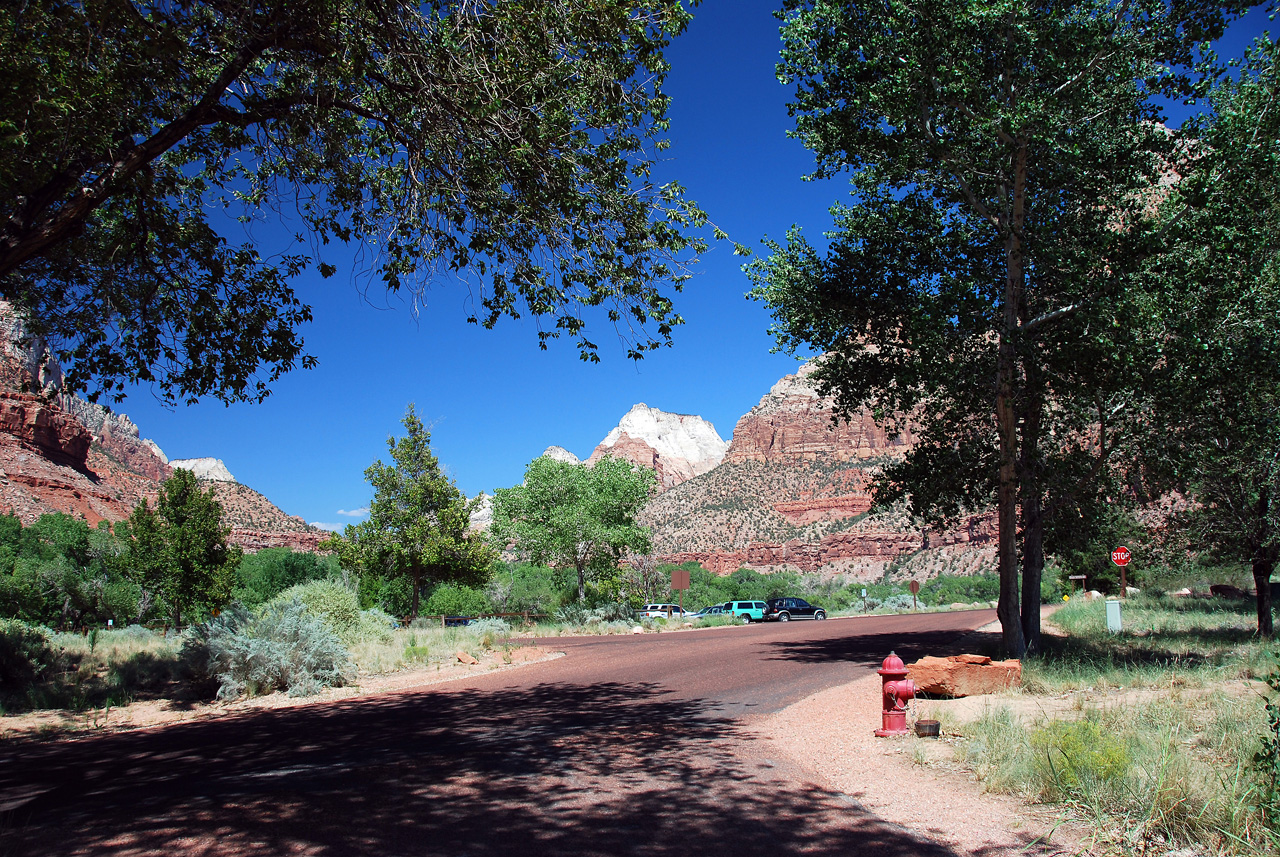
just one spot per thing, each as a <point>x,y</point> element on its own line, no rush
<point>493,400</point>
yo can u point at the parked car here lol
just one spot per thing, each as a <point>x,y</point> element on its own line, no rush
<point>663,611</point>
<point>747,611</point>
<point>786,609</point>
<point>713,610</point>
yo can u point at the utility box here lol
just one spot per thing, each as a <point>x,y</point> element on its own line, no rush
<point>1113,616</point>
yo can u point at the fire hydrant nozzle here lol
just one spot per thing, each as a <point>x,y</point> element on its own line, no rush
<point>896,691</point>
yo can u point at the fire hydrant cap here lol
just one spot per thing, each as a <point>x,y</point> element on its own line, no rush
<point>893,666</point>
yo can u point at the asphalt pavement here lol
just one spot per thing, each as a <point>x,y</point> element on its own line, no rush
<point>627,745</point>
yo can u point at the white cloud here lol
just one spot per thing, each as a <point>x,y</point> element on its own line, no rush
<point>354,513</point>
<point>333,528</point>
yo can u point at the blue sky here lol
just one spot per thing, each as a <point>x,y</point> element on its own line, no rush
<point>493,400</point>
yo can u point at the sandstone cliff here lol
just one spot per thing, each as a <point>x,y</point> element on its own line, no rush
<point>792,493</point>
<point>792,422</point>
<point>677,446</point>
<point>59,453</point>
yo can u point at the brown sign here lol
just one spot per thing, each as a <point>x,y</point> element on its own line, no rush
<point>914,586</point>
<point>679,579</point>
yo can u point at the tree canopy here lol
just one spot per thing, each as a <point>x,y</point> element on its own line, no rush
<point>1216,286</point>
<point>1000,154</point>
<point>419,522</point>
<point>504,142</point>
<point>178,551</point>
<point>573,516</point>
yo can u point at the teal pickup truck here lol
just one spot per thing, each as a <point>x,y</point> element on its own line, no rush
<point>747,611</point>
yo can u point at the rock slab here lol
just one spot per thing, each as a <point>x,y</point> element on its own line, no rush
<point>964,675</point>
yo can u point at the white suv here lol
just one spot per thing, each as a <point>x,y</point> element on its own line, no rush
<point>662,611</point>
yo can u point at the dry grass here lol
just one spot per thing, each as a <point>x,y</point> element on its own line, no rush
<point>1149,736</point>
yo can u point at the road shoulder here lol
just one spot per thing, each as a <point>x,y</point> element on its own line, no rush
<point>829,736</point>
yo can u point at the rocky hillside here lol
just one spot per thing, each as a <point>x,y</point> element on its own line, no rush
<point>678,446</point>
<point>59,453</point>
<point>791,492</point>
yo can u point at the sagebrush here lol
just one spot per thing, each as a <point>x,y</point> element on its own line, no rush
<point>282,647</point>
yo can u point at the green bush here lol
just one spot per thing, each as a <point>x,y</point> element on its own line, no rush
<point>1075,756</point>
<point>26,655</point>
<point>330,601</point>
<point>450,600</point>
<point>265,574</point>
<point>376,626</point>
<point>284,647</point>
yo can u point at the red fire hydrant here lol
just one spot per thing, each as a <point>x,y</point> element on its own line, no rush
<point>896,692</point>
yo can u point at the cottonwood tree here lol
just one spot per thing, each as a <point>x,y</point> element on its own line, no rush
<point>178,551</point>
<point>1218,287</point>
<point>419,522</point>
<point>1000,153</point>
<point>506,141</point>
<point>569,515</point>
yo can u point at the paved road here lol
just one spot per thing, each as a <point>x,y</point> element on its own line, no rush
<point>627,745</point>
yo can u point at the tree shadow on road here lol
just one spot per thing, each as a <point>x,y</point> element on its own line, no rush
<point>870,649</point>
<point>555,769</point>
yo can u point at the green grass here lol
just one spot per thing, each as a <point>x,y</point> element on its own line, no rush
<point>106,668</point>
<point>1165,642</point>
<point>1155,750</point>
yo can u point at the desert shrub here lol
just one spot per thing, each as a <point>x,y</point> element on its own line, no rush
<point>328,600</point>
<point>448,599</point>
<point>26,654</point>
<point>286,646</point>
<point>897,602</point>
<point>376,626</point>
<point>490,631</point>
<point>571,614</point>
<point>1072,756</point>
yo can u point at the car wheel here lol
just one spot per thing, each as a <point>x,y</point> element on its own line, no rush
<point>746,620</point>
<point>820,615</point>
<point>784,617</point>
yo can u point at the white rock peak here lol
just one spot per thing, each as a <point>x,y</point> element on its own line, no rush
<point>672,436</point>
<point>559,453</point>
<point>211,469</point>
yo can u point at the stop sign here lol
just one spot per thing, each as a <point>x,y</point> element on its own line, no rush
<point>1121,556</point>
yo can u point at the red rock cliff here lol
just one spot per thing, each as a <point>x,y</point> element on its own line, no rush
<point>793,422</point>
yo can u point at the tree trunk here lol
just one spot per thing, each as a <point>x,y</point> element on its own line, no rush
<point>1007,522</point>
<point>582,583</point>
<point>417,586</point>
<point>1032,569</point>
<point>1006,414</point>
<point>1264,563</point>
<point>1032,508</point>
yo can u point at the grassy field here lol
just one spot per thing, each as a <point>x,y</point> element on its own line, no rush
<point>1149,736</point>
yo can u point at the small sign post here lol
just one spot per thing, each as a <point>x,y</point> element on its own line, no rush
<point>914,586</point>
<point>1121,556</point>
<point>680,582</point>
<point>864,600</point>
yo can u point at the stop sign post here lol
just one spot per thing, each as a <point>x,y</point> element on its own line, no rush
<point>914,586</point>
<point>1121,556</point>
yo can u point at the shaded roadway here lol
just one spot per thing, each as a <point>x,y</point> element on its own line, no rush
<point>627,745</point>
